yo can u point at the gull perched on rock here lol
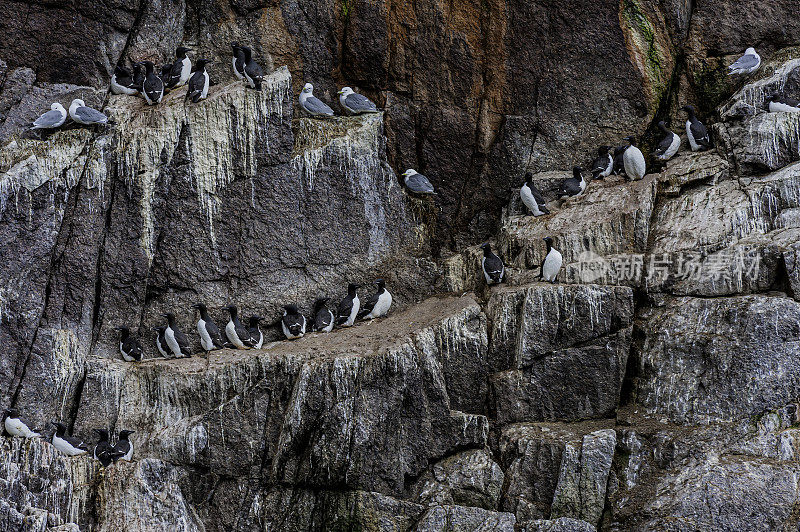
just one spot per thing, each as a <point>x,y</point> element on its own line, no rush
<point>52,119</point>
<point>312,104</point>
<point>87,116</point>
<point>749,62</point>
<point>669,145</point>
<point>356,103</point>
<point>417,183</point>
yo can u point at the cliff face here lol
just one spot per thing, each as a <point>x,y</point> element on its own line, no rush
<point>654,389</point>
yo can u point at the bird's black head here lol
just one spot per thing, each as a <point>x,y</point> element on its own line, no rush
<point>662,125</point>
<point>180,53</point>
<point>380,283</point>
<point>352,287</point>
<point>631,140</point>
<point>160,329</point>
<point>548,239</point>
<point>775,96</point>
<point>689,109</point>
<point>619,149</point>
<point>320,302</point>
<point>11,412</point>
<point>487,248</point>
<point>123,331</point>
<point>248,52</point>
<point>148,66</point>
<point>123,434</point>
<point>232,310</point>
<point>137,67</point>
<point>528,178</point>
<point>603,150</point>
<point>103,433</point>
<point>254,320</point>
<point>200,306</point>
<point>291,309</point>
<point>166,70</point>
<point>60,428</point>
<point>202,63</point>
<point>576,172</point>
<point>170,317</point>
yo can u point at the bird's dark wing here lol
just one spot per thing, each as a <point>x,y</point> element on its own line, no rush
<point>213,332</point>
<point>570,187</point>
<point>537,195</point>
<point>746,61</point>
<point>790,101</point>
<point>121,449</point>
<point>254,70</point>
<point>322,319</point>
<point>368,305</point>
<point>153,87</point>
<point>183,342</point>
<point>315,105</point>
<point>243,333</point>
<point>700,134</point>
<point>600,164</point>
<point>88,114</point>
<point>294,322</point>
<point>197,81</point>
<point>345,307</point>
<point>664,145</point>
<point>76,442</point>
<point>132,347</point>
<point>48,119</point>
<point>359,103</point>
<point>493,267</point>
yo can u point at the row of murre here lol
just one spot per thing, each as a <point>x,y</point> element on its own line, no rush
<point>171,342</point>
<point>15,426</point>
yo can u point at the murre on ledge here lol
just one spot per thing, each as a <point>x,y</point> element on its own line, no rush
<point>256,335</point>
<point>198,84</point>
<point>14,425</point>
<point>417,183</point>
<point>313,105</point>
<point>348,307</point>
<point>603,165</point>
<point>747,63</point>
<point>138,77</point>
<point>122,81</point>
<point>532,197</point>
<point>355,103</point>
<point>181,69</point>
<point>378,304</point>
<point>780,103</point>
<point>103,451</point>
<point>210,337</point>
<point>88,116</point>
<point>492,265</point>
<point>633,159</point>
<point>699,139</point>
<point>152,87</point>
<point>253,73</point>
<point>551,264</point>
<point>573,186</point>
<point>129,347</point>
<point>123,450</point>
<point>69,445</point>
<point>323,317</point>
<point>619,162</point>
<point>669,145</point>
<point>293,323</point>
<point>237,63</point>
<point>177,342</point>
<point>52,119</point>
<point>237,333</point>
<point>161,342</point>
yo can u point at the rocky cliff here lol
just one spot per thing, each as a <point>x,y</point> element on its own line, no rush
<point>653,388</point>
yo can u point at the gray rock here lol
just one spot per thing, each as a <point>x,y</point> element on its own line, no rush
<point>562,524</point>
<point>463,518</point>
<point>581,489</point>
<point>470,478</point>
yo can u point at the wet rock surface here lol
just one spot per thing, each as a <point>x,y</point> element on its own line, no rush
<point>653,388</point>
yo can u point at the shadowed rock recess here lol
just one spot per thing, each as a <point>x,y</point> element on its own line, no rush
<point>655,387</point>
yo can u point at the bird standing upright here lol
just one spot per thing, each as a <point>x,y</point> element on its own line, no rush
<point>323,317</point>
<point>348,307</point>
<point>699,139</point>
<point>551,264</point>
<point>603,165</point>
<point>669,145</point>
<point>293,323</point>
<point>492,265</point>
<point>378,304</point>
<point>633,159</point>
<point>198,84</point>
<point>129,347</point>
<point>252,70</point>
<point>177,342</point>
<point>532,197</point>
<point>237,333</point>
<point>103,451</point>
<point>153,86</point>
<point>210,337</point>
<point>573,186</point>
<point>313,105</point>
<point>123,450</point>
<point>256,336</point>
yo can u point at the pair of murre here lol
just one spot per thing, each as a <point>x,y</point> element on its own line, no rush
<point>494,270</point>
<point>16,426</point>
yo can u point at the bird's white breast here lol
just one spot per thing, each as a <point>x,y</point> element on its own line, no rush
<point>673,148</point>
<point>329,327</point>
<point>205,338</point>
<point>230,332</point>
<point>552,265</point>
<point>204,93</point>
<point>692,143</point>
<point>125,355</point>
<point>16,427</point>
<point>381,308</point>
<point>353,312</point>
<point>634,163</point>
<point>129,454</point>
<point>172,343</point>
<point>186,70</point>
<point>65,447</point>
<point>527,198</point>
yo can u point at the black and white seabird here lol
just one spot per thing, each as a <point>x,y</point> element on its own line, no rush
<point>166,76</point>
<point>52,119</point>
<point>779,103</point>
<point>348,307</point>
<point>237,333</point>
<point>551,264</point>
<point>16,426</point>
<point>355,103</point>
<point>123,450</point>
<point>122,81</point>
<point>699,139</point>
<point>633,159</point>
<point>532,197</point>
<point>153,86</point>
<point>256,336</point>
<point>198,84</point>
<point>377,305</point>
<point>210,337</point>
<point>253,73</point>
<point>138,77</point>
<point>103,451</point>
<point>669,145</point>
<point>293,323</point>
<point>181,69</point>
<point>493,268</point>
<point>417,183</point>
<point>619,164</point>
<point>237,63</point>
<point>323,317</point>
<point>573,186</point>
<point>69,445</point>
<point>313,105</point>
<point>129,347</point>
<point>177,342</point>
<point>161,342</point>
<point>604,164</point>
<point>747,63</point>
<point>87,116</point>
